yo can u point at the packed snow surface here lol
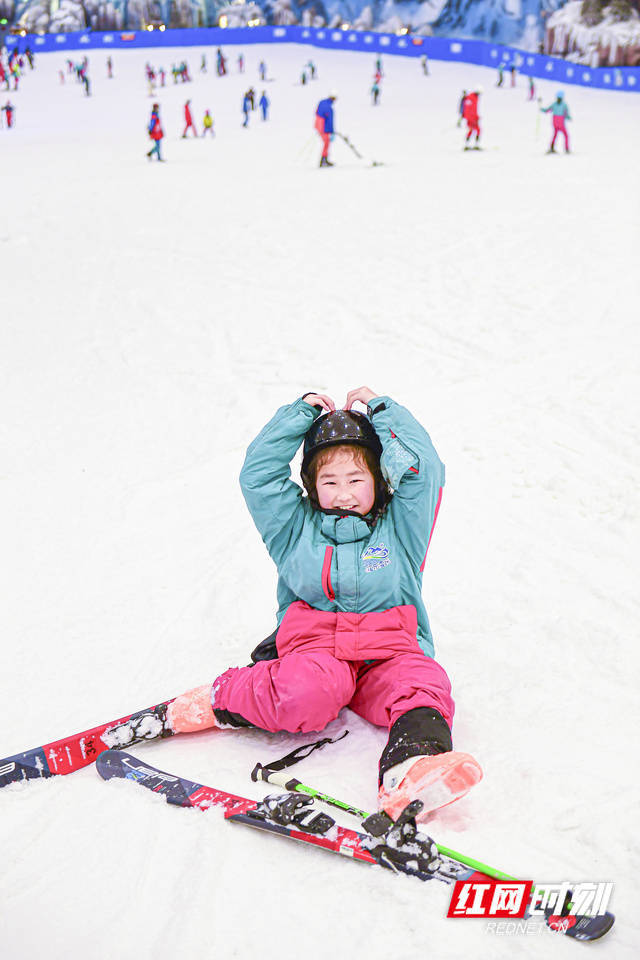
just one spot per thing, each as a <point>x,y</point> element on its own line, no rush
<point>153,318</point>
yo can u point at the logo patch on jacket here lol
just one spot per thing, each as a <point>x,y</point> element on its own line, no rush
<point>374,558</point>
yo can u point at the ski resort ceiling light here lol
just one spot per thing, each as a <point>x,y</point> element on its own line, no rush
<point>345,26</point>
<point>402,31</point>
<point>253,23</point>
<point>162,27</point>
<point>223,20</point>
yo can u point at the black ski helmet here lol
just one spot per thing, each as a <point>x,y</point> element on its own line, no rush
<point>339,427</point>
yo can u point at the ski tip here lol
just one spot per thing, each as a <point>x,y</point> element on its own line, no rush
<point>110,762</point>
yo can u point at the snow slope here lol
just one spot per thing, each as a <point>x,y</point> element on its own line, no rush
<point>153,317</point>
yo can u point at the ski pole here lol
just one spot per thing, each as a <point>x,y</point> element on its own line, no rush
<point>280,779</point>
<point>350,145</point>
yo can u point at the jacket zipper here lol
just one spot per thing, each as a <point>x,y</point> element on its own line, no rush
<point>326,574</point>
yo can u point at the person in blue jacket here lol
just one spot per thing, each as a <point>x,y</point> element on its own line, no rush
<point>247,106</point>
<point>324,126</point>
<point>352,629</point>
<point>264,105</point>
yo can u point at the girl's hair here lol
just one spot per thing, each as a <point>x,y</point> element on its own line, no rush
<point>364,457</point>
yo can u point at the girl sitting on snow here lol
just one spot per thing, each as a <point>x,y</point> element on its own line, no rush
<point>352,627</point>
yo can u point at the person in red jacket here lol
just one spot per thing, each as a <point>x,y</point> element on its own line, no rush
<point>470,114</point>
<point>155,132</point>
<point>188,120</point>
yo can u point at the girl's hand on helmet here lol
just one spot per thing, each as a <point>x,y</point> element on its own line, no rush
<point>363,394</point>
<point>320,400</point>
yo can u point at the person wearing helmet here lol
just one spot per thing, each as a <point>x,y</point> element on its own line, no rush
<point>324,126</point>
<point>352,629</point>
<point>470,114</point>
<point>559,114</point>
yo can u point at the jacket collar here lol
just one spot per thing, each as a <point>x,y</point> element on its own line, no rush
<point>344,526</point>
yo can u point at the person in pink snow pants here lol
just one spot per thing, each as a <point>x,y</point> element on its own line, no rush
<point>352,629</point>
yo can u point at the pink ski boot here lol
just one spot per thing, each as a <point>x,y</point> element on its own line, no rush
<point>192,711</point>
<point>436,780</point>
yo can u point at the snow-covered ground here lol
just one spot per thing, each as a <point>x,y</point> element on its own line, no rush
<point>152,318</point>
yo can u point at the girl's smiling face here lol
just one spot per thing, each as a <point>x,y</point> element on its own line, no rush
<point>344,482</point>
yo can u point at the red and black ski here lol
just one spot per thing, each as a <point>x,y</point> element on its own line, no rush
<point>80,749</point>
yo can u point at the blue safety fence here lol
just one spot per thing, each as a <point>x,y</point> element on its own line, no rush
<point>477,52</point>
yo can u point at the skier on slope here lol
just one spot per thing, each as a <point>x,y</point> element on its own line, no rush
<point>155,132</point>
<point>188,121</point>
<point>352,627</point>
<point>324,126</point>
<point>560,113</point>
<point>470,114</point>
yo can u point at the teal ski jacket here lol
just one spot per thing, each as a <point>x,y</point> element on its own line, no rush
<point>339,563</point>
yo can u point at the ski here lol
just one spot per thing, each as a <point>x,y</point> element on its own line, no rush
<point>287,815</point>
<point>401,849</point>
<point>80,749</point>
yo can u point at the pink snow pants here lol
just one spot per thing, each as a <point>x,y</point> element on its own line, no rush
<point>326,137</point>
<point>559,127</point>
<point>321,668</point>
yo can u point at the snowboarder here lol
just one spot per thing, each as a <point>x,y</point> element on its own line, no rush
<point>203,64</point>
<point>264,105</point>
<point>513,74</point>
<point>156,132</point>
<point>352,626</point>
<point>240,63</point>
<point>375,93</point>
<point>221,63</point>
<point>532,89</point>
<point>500,74</point>
<point>109,68</point>
<point>560,114</point>
<point>425,64</point>
<point>312,69</point>
<point>188,121</point>
<point>207,124</point>
<point>470,114</point>
<point>324,126</point>
<point>262,69</point>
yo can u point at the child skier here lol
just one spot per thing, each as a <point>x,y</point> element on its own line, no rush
<point>207,124</point>
<point>470,114</point>
<point>560,112</point>
<point>352,627</point>
<point>324,126</point>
